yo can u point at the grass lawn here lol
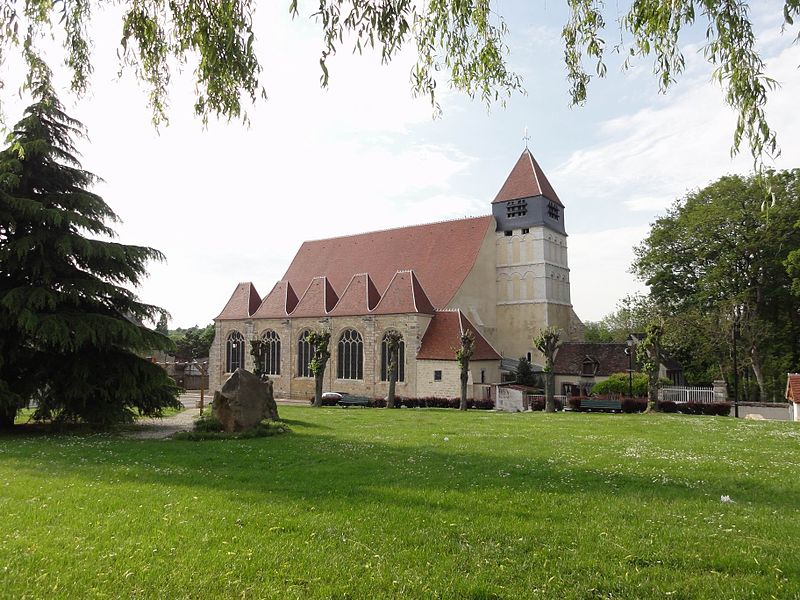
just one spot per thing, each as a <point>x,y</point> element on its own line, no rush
<point>362,503</point>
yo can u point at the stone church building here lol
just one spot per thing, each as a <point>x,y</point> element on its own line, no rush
<point>504,276</point>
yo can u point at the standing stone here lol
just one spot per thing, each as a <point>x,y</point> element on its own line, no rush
<point>243,402</point>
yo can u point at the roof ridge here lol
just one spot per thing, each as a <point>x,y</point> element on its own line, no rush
<point>352,235</point>
<point>533,168</point>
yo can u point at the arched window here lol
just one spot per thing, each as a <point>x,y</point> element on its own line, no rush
<point>351,355</point>
<point>305,353</point>
<point>234,352</point>
<point>271,342</point>
<point>401,360</point>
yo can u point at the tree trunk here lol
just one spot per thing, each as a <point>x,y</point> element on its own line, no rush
<point>758,371</point>
<point>318,379</point>
<point>652,391</point>
<point>7,416</point>
<point>390,396</point>
<point>462,405</point>
<point>549,399</point>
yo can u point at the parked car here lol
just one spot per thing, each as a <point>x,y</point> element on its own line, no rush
<point>333,396</point>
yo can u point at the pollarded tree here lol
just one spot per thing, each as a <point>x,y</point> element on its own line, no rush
<point>464,41</point>
<point>648,355</point>
<point>320,341</point>
<point>71,332</point>
<point>393,339</point>
<point>463,355</point>
<point>547,343</point>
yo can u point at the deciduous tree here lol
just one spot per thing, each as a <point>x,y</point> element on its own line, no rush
<point>547,342</point>
<point>463,355</point>
<point>649,355</point>
<point>716,265</point>
<point>393,339</point>
<point>319,340</point>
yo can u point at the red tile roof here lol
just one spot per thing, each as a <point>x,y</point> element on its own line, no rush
<point>318,299</point>
<point>443,337</point>
<point>278,303</point>
<point>610,358</point>
<point>440,254</point>
<point>525,181</point>
<point>243,302</point>
<point>793,387</point>
<point>359,297</point>
<point>404,295</point>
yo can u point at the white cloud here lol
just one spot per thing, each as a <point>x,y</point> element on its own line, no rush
<point>646,160</point>
<point>656,154</point>
<point>599,263</point>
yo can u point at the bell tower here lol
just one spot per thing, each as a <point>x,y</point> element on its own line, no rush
<point>533,289</point>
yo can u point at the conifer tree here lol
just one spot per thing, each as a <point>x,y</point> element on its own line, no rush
<point>71,332</point>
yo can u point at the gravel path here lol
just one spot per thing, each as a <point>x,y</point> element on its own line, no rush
<point>161,429</point>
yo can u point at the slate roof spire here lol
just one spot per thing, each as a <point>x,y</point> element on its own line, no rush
<point>526,180</point>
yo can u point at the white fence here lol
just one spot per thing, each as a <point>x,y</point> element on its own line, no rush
<point>684,393</point>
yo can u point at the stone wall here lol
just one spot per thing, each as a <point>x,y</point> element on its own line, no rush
<point>450,385</point>
<point>288,384</point>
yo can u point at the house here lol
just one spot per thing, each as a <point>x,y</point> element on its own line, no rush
<point>504,276</point>
<point>578,366</point>
<point>793,394</point>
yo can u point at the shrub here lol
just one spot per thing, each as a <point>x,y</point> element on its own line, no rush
<point>667,406</point>
<point>208,423</point>
<point>325,401</point>
<point>536,403</point>
<point>263,429</point>
<point>720,409</point>
<point>633,405</point>
<point>691,408</point>
<point>618,383</point>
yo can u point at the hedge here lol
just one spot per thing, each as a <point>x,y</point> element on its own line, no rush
<point>426,402</point>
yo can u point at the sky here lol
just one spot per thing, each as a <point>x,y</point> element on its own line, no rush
<point>229,202</point>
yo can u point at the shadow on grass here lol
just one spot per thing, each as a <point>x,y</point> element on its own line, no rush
<point>309,424</point>
<point>306,466</point>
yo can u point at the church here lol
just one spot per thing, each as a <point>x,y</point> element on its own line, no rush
<point>504,276</point>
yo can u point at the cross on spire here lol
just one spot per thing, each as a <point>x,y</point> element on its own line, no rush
<point>526,137</point>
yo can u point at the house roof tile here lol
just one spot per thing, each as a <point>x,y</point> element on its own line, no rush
<point>358,298</point>
<point>404,295</point>
<point>421,248</point>
<point>443,337</point>
<point>610,358</point>
<point>281,301</point>
<point>793,387</point>
<point>526,180</point>
<point>243,302</point>
<point>318,299</point>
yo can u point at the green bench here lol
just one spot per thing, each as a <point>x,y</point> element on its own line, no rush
<point>353,401</point>
<point>598,404</point>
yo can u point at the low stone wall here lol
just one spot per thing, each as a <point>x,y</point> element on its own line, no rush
<point>775,411</point>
